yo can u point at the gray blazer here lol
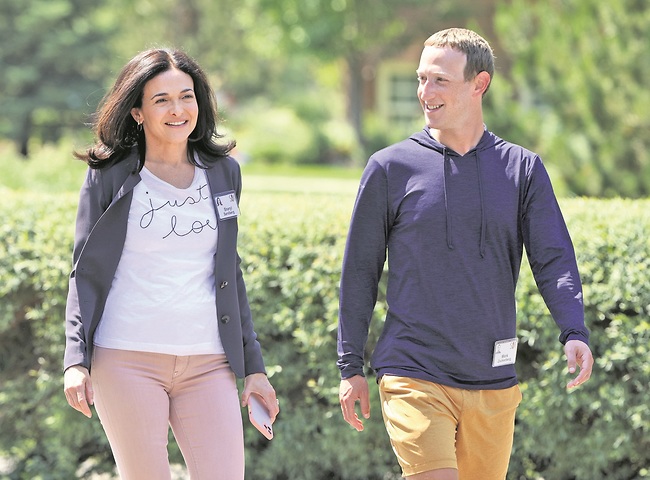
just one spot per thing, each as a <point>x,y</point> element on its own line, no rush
<point>104,203</point>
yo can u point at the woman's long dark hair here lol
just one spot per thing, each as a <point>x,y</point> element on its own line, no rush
<point>117,132</point>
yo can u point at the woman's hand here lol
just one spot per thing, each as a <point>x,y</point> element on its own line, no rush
<point>78,389</point>
<point>258,383</point>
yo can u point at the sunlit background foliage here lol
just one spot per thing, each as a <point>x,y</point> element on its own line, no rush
<point>301,87</point>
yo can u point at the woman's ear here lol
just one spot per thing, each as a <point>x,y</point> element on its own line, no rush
<point>135,113</point>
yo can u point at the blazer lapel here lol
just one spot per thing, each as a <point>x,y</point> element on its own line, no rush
<point>129,184</point>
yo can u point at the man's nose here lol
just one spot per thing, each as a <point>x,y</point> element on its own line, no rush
<point>426,89</point>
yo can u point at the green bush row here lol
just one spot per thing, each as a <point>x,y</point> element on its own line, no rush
<point>291,245</point>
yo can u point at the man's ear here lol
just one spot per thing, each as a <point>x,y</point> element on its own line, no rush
<point>481,82</point>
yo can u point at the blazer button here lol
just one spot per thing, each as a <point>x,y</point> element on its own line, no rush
<point>224,284</point>
<point>225,318</point>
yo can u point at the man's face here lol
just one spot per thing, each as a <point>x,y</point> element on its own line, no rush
<point>442,90</point>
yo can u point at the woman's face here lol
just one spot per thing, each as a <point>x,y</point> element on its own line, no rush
<point>169,109</point>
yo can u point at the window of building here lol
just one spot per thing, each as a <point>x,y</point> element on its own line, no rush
<point>397,99</point>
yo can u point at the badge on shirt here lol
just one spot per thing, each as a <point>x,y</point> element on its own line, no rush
<point>505,352</point>
<point>226,204</point>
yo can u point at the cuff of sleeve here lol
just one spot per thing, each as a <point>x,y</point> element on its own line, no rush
<point>574,335</point>
<point>350,370</point>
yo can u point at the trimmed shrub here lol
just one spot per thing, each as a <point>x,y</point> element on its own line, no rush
<point>292,245</point>
<point>293,249</point>
<point>39,433</point>
<point>275,135</point>
<point>602,429</point>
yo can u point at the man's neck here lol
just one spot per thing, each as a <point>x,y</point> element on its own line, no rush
<point>460,142</point>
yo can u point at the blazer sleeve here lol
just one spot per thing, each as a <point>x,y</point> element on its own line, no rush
<point>253,361</point>
<point>92,204</point>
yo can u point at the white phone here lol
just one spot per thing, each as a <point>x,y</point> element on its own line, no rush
<point>259,416</point>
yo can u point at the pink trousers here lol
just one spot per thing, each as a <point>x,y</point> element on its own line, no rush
<point>138,395</point>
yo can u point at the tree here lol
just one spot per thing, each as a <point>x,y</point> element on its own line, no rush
<point>580,81</point>
<point>52,66</point>
<point>360,32</point>
<point>229,38</point>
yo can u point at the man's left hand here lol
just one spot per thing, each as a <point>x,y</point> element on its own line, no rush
<point>578,355</point>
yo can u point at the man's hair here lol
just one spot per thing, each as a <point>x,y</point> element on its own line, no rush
<point>480,57</point>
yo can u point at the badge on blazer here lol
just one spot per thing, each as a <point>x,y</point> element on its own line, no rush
<point>226,204</point>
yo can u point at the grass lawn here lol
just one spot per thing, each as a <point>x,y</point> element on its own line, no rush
<point>300,179</point>
<point>52,169</point>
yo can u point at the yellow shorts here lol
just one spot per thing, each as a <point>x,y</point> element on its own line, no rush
<point>433,426</point>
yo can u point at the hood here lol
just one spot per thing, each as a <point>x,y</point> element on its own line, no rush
<point>424,138</point>
<point>487,141</point>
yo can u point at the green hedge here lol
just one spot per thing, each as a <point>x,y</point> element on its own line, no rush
<point>602,429</point>
<point>292,245</point>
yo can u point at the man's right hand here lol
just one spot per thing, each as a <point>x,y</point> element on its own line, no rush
<point>353,389</point>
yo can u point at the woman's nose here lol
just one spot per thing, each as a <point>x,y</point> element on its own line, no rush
<point>176,107</point>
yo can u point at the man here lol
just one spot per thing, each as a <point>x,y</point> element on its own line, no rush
<point>452,208</point>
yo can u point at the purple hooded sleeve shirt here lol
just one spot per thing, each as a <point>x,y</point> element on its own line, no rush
<point>453,229</point>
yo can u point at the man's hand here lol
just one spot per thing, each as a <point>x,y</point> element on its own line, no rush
<point>578,353</point>
<point>353,389</point>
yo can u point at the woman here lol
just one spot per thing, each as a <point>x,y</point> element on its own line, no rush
<point>158,323</point>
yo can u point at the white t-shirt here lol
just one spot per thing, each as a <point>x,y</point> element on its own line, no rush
<point>162,298</point>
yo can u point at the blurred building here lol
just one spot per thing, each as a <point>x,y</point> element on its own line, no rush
<point>390,83</point>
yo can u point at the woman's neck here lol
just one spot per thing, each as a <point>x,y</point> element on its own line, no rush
<point>173,155</point>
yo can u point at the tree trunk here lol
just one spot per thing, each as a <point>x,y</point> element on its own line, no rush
<point>355,96</point>
<point>24,134</point>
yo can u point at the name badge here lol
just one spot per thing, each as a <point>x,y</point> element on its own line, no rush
<point>505,352</point>
<point>226,204</point>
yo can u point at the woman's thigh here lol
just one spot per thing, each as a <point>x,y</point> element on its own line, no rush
<point>133,405</point>
<point>206,418</point>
